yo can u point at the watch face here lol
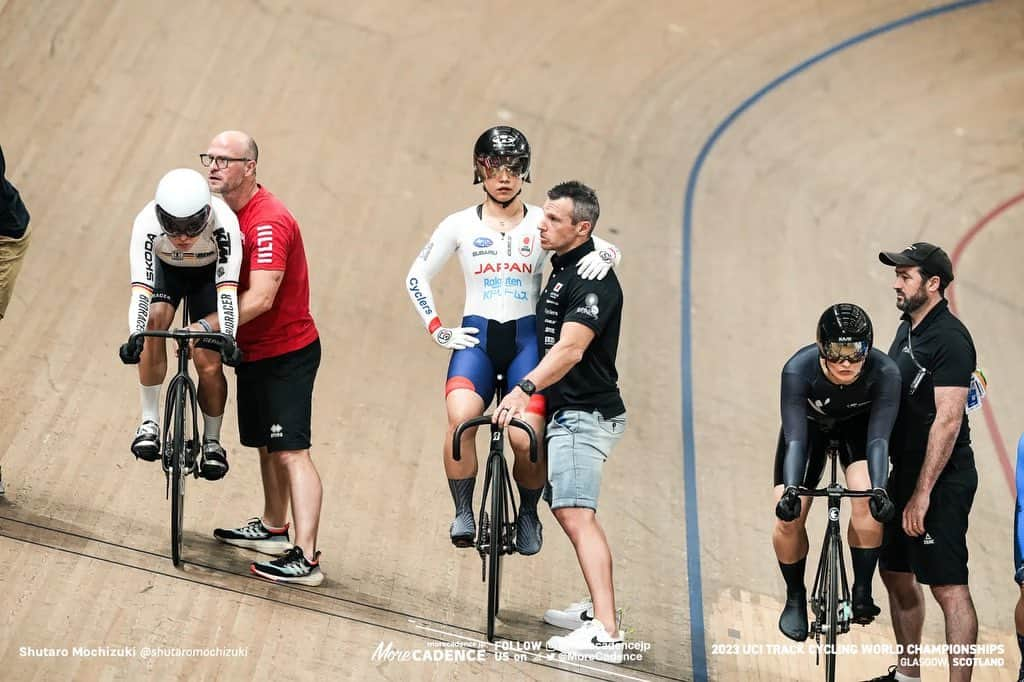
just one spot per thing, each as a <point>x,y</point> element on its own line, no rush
<point>527,386</point>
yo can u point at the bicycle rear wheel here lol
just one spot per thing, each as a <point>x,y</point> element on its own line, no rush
<point>497,545</point>
<point>177,469</point>
<point>832,610</point>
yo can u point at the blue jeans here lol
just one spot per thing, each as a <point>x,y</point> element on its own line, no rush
<point>578,443</point>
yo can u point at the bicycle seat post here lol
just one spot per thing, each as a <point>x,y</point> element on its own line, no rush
<point>499,387</point>
<point>833,455</point>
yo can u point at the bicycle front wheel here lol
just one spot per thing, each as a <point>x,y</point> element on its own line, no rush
<point>177,470</point>
<point>832,608</point>
<point>497,545</point>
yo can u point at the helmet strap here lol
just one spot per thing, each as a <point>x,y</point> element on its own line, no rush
<point>503,204</point>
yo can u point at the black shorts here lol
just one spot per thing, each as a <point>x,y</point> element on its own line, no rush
<point>275,399</point>
<point>939,557</point>
<point>852,435</point>
<point>198,285</point>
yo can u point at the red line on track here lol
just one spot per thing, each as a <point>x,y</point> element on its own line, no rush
<point>986,406</point>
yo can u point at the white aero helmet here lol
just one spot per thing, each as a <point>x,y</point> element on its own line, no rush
<point>183,203</point>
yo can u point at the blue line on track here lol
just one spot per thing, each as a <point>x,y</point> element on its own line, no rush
<point>697,644</point>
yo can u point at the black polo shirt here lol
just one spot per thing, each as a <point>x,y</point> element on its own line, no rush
<point>942,345</point>
<point>591,383</point>
<point>13,214</point>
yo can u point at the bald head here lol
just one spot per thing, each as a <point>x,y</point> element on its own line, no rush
<point>234,175</point>
<point>237,143</point>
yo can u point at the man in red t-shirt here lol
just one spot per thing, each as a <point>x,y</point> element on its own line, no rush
<point>281,350</point>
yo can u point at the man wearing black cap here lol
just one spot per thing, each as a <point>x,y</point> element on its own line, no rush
<point>933,479</point>
<point>13,236</point>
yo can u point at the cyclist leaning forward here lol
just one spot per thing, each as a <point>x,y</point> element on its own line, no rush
<point>185,243</point>
<point>498,245</point>
<point>839,389</point>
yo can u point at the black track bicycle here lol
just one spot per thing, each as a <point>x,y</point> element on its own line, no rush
<point>497,532</point>
<point>830,597</point>
<point>181,443</point>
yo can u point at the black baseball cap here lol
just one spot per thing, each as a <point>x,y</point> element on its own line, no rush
<point>927,256</point>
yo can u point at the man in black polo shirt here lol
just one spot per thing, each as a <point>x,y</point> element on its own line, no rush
<point>578,332</point>
<point>14,236</point>
<point>933,478</point>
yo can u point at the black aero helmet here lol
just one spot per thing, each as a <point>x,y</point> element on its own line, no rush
<point>505,143</point>
<point>844,333</point>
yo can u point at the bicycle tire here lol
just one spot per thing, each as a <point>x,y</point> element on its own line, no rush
<point>496,548</point>
<point>177,472</point>
<point>832,609</point>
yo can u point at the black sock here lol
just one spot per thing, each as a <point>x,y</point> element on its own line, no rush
<point>794,576</point>
<point>864,560</point>
<point>1020,645</point>
<point>528,497</point>
<point>462,494</point>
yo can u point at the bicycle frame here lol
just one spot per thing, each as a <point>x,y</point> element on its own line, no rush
<point>497,533</point>
<point>830,597</point>
<point>180,438</point>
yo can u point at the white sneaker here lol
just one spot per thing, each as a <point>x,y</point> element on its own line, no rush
<point>590,641</point>
<point>572,616</point>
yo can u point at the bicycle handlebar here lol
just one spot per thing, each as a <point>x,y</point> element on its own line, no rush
<point>230,353</point>
<point>495,429</point>
<point>838,491</point>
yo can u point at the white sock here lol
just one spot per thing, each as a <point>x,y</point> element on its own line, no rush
<point>900,677</point>
<point>150,403</point>
<point>211,427</point>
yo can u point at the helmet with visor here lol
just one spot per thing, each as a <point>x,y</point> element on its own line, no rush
<point>844,333</point>
<point>183,203</point>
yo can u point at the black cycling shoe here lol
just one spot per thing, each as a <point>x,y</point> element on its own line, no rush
<point>888,677</point>
<point>864,609</point>
<point>215,461</point>
<point>793,621</point>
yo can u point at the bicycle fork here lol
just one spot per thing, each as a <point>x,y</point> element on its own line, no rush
<point>831,559</point>
<point>489,532</point>
<point>185,392</point>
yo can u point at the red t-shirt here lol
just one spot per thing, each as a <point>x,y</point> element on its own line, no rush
<point>271,241</point>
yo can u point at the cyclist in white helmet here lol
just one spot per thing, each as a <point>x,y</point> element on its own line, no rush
<point>185,243</point>
<point>498,245</point>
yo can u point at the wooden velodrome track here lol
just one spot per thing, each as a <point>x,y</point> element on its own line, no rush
<point>365,114</point>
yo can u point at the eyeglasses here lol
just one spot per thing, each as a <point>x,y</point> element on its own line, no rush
<point>848,352</point>
<point>220,162</point>
<point>492,166</point>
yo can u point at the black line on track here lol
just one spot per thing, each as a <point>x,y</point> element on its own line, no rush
<point>310,592</point>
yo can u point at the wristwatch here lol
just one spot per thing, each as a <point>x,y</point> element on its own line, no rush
<point>527,387</point>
